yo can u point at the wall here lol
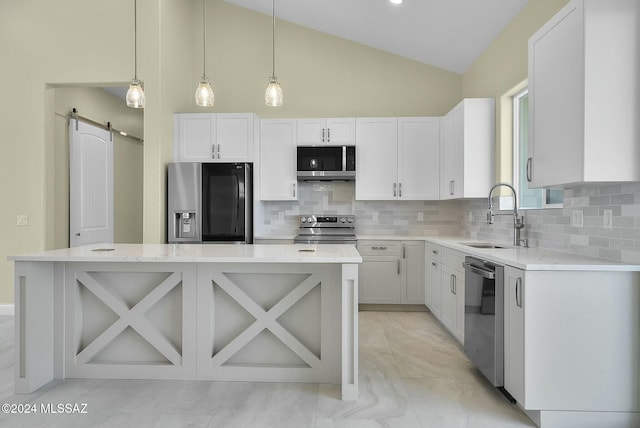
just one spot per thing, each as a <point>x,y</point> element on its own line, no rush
<point>321,75</point>
<point>48,44</point>
<point>101,107</point>
<point>372,217</point>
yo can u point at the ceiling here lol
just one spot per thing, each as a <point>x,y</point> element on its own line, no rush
<point>448,34</point>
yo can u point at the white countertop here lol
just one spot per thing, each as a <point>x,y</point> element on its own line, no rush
<point>532,258</point>
<point>201,253</point>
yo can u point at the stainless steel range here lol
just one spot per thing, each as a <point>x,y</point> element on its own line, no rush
<point>323,229</point>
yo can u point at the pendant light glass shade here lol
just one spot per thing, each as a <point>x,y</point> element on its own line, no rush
<point>204,93</point>
<point>135,94</point>
<point>273,96</point>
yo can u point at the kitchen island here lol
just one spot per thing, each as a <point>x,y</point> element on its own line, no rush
<point>272,313</point>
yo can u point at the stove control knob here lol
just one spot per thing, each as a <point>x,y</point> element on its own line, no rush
<point>310,220</point>
<point>303,220</point>
<point>343,220</point>
<point>350,219</point>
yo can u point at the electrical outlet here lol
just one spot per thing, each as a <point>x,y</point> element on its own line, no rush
<point>421,216</point>
<point>608,219</point>
<point>281,215</point>
<point>22,220</point>
<point>577,218</point>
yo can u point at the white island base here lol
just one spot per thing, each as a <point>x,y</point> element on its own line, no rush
<point>272,313</point>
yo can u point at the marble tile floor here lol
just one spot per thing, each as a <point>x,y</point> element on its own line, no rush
<point>412,374</point>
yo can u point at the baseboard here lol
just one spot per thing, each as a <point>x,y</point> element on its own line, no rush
<point>391,307</point>
<point>7,309</point>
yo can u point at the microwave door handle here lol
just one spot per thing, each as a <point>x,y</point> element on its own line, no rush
<point>344,158</point>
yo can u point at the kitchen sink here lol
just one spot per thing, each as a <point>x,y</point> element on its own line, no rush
<point>487,245</point>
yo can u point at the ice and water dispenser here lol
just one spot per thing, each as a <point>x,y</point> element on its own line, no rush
<point>185,181</point>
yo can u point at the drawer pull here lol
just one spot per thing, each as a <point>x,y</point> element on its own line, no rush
<point>376,247</point>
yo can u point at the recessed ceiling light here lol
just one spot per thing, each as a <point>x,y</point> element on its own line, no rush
<point>396,1</point>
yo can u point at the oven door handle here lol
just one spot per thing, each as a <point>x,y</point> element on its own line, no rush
<point>478,270</point>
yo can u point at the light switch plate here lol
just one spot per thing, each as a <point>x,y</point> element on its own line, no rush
<point>608,219</point>
<point>577,218</point>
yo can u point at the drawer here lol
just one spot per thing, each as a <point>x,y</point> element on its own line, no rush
<point>453,258</point>
<point>434,252</point>
<point>380,248</point>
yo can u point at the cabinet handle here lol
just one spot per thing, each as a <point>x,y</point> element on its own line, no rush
<point>218,151</point>
<point>376,247</point>
<point>294,189</point>
<point>394,189</point>
<point>434,264</point>
<point>400,189</point>
<point>455,284</point>
<point>529,160</point>
<point>519,292</point>
<point>328,135</point>
<point>452,186</point>
<point>213,151</point>
<point>398,266</point>
<point>434,251</point>
<point>323,135</point>
<point>451,283</point>
<point>404,251</point>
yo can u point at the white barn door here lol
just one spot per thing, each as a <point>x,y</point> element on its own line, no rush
<point>90,184</point>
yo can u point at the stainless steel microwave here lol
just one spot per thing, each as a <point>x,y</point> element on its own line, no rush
<point>325,163</point>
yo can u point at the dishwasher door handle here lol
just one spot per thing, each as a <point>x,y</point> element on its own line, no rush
<point>489,274</point>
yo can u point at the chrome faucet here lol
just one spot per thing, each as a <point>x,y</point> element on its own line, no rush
<point>518,221</point>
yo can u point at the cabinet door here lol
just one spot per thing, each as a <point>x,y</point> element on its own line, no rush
<point>376,158</point>
<point>448,312</point>
<point>418,158</point>
<point>380,280</point>
<point>458,290</point>
<point>234,137</point>
<point>194,137</point>
<point>278,180</point>
<point>514,332</point>
<point>556,101</point>
<point>413,271</point>
<point>457,161</point>
<point>447,155</point>
<point>433,292</point>
<point>312,132</point>
<point>341,131</point>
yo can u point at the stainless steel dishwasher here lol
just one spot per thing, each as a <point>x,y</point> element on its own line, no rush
<point>484,317</point>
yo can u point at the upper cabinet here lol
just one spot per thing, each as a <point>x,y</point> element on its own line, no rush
<point>321,132</point>
<point>397,158</point>
<point>584,92</point>
<point>278,179</point>
<point>467,142</point>
<point>209,137</point>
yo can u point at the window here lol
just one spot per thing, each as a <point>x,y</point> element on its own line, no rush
<point>528,198</point>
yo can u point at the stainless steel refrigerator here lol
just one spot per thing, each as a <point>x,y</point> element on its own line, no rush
<point>210,202</point>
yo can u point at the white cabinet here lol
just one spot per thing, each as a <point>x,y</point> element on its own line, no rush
<point>332,131</point>
<point>278,179</point>
<point>584,87</point>
<point>467,149</point>
<point>452,283</point>
<point>208,137</point>
<point>391,272</point>
<point>397,158</point>
<point>514,332</point>
<point>433,284</point>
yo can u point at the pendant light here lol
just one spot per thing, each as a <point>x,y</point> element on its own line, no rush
<point>204,92</point>
<point>273,96</point>
<point>135,94</point>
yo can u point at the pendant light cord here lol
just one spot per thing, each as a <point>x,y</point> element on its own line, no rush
<point>273,38</point>
<point>204,39</point>
<point>135,39</point>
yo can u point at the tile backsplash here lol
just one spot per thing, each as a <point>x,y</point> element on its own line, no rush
<point>549,228</point>
<point>552,229</point>
<point>373,217</point>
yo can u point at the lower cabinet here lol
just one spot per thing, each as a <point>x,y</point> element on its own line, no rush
<point>444,287</point>
<point>391,272</point>
<point>514,332</point>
